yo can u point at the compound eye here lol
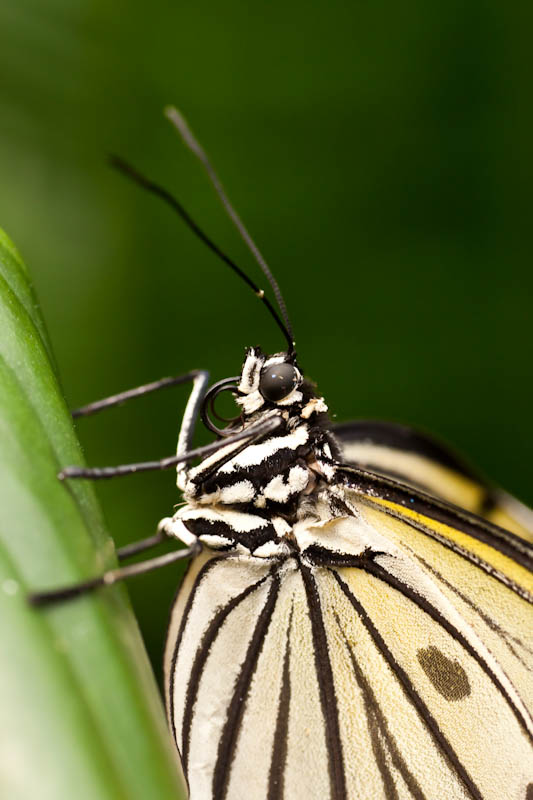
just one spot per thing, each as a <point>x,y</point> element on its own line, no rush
<point>277,381</point>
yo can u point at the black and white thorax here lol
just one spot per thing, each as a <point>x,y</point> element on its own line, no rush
<point>249,496</point>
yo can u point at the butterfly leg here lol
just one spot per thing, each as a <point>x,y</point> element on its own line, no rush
<point>199,379</point>
<point>113,576</point>
<point>139,547</point>
<point>252,434</point>
<point>168,528</point>
<point>139,391</point>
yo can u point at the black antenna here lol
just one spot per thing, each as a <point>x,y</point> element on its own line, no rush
<point>179,122</point>
<point>168,198</point>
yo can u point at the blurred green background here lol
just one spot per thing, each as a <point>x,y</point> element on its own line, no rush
<point>380,154</point>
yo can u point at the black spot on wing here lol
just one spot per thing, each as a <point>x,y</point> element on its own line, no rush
<point>447,676</point>
<point>391,580</point>
<point>529,792</point>
<point>279,749</point>
<point>410,692</point>
<point>232,725</point>
<point>328,698</point>
<point>512,642</point>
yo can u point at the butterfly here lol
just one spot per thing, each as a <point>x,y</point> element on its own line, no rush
<point>356,618</point>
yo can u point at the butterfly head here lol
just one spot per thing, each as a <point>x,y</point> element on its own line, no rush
<point>289,451</point>
<point>267,383</point>
<point>276,382</point>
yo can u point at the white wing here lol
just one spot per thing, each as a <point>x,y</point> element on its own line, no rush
<point>292,680</point>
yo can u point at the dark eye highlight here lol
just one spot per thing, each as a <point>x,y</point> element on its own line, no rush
<point>277,381</point>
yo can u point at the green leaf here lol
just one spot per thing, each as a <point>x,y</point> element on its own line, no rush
<point>80,714</point>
